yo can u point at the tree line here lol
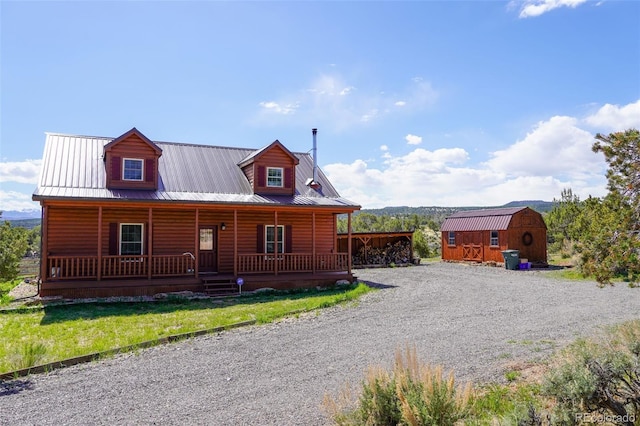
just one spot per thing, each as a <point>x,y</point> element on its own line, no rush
<point>16,243</point>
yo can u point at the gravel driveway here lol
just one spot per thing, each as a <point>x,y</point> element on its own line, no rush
<point>474,319</point>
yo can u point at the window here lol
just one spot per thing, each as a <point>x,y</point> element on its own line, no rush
<point>269,240</point>
<point>206,239</point>
<point>131,238</point>
<point>452,238</point>
<point>132,169</point>
<point>494,238</point>
<point>274,176</point>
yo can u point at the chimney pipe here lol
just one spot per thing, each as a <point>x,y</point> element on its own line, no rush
<point>315,157</point>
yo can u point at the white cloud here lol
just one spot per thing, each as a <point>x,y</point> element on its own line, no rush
<point>420,177</point>
<point>333,102</point>
<point>20,171</point>
<point>533,8</point>
<point>369,115</point>
<point>616,118</point>
<point>443,178</point>
<point>556,154</point>
<point>16,201</point>
<point>278,108</point>
<point>556,147</point>
<point>346,90</point>
<point>384,148</point>
<point>413,139</point>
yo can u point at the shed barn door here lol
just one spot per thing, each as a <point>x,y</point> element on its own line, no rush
<point>472,246</point>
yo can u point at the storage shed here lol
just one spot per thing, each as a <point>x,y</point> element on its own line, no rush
<point>482,235</point>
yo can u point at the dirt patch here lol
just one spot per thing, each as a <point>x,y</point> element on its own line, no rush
<point>24,293</point>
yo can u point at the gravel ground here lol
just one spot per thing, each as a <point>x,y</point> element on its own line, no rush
<point>477,320</point>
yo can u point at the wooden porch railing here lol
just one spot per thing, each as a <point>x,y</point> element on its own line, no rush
<point>291,262</point>
<point>125,266</point>
<point>72,267</point>
<point>172,266</point>
<point>86,267</point>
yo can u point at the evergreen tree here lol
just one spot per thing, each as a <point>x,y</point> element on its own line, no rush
<point>13,246</point>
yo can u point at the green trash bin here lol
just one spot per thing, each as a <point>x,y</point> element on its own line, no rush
<point>511,259</point>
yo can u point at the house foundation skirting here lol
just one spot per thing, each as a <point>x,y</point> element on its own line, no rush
<point>74,289</point>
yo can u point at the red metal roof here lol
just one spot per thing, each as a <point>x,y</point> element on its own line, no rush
<point>480,220</point>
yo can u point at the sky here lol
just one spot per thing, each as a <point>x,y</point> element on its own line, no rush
<point>422,103</point>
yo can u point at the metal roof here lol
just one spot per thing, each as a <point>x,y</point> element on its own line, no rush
<point>480,220</point>
<point>73,168</point>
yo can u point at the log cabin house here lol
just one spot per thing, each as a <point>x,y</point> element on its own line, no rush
<point>128,216</point>
<point>482,235</point>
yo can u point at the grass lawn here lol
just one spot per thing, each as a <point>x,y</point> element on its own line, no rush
<point>66,331</point>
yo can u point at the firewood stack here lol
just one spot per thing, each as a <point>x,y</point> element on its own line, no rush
<point>398,254</point>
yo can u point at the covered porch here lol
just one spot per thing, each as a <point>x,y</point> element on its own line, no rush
<point>188,249</point>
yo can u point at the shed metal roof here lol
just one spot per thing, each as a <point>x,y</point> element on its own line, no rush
<point>73,168</point>
<point>480,220</point>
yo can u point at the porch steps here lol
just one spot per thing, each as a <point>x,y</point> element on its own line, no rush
<point>219,286</point>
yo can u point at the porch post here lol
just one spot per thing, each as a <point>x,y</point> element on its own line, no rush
<point>235,242</point>
<point>275,241</point>
<point>150,244</point>
<point>99,243</point>
<point>349,242</point>
<point>44,246</point>
<point>197,242</point>
<point>313,241</point>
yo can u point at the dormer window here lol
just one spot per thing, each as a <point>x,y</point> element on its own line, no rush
<point>132,169</point>
<point>274,177</point>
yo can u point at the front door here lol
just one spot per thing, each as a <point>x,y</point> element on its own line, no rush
<point>208,259</point>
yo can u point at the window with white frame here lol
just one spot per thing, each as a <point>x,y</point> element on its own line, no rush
<point>452,238</point>
<point>131,238</point>
<point>132,169</point>
<point>270,240</point>
<point>494,238</point>
<point>274,176</point>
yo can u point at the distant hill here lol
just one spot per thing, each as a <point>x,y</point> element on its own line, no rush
<point>537,205</point>
<point>26,219</point>
<point>18,215</point>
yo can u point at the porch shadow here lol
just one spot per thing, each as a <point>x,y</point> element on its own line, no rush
<point>12,387</point>
<point>380,286</point>
<point>96,310</point>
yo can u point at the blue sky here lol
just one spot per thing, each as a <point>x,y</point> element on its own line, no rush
<point>416,103</point>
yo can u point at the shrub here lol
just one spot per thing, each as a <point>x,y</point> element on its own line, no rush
<point>598,377</point>
<point>413,393</point>
<point>29,355</point>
